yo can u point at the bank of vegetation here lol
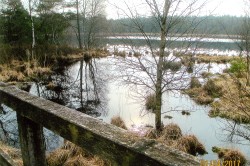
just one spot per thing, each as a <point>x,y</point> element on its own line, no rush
<point>33,40</point>
<point>227,93</point>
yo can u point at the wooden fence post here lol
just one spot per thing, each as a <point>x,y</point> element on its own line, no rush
<point>31,142</point>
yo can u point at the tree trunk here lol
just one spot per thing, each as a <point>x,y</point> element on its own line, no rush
<point>32,31</point>
<point>78,25</point>
<point>158,86</point>
<point>81,82</point>
<point>248,71</point>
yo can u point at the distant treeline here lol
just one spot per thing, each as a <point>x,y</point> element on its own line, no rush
<point>211,25</point>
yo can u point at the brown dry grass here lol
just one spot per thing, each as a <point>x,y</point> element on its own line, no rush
<point>203,58</point>
<point>171,132</point>
<point>235,101</point>
<point>118,121</point>
<point>171,135</point>
<point>233,94</point>
<point>230,155</point>
<point>235,155</point>
<point>190,144</point>
<point>13,153</point>
<point>72,155</point>
<point>18,71</point>
<point>199,95</point>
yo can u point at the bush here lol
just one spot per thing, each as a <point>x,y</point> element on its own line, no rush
<point>238,67</point>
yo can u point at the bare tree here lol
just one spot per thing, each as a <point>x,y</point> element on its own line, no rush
<point>32,5</point>
<point>156,72</point>
<point>94,21</point>
<point>78,25</point>
<point>88,14</point>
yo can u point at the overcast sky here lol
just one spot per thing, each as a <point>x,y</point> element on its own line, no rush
<point>217,7</point>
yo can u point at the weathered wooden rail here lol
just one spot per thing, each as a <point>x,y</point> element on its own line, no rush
<point>108,141</point>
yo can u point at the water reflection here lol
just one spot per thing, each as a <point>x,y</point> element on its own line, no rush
<point>82,88</point>
<point>90,86</point>
<point>118,99</point>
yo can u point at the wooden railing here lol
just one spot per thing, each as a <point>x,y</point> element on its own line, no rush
<point>109,142</point>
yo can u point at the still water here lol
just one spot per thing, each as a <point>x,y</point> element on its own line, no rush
<point>119,99</point>
<point>104,96</point>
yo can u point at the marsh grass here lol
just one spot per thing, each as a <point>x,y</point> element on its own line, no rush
<point>231,94</point>
<point>205,94</point>
<point>235,102</point>
<point>195,83</point>
<point>171,135</point>
<point>72,155</point>
<point>230,155</point>
<point>118,121</point>
<point>18,71</point>
<point>203,58</point>
<point>171,132</point>
<point>190,144</point>
<point>13,153</point>
<point>199,95</point>
<point>172,65</point>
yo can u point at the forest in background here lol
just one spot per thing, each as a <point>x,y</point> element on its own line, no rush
<point>210,25</point>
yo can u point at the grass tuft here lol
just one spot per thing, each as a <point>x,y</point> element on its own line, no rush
<point>72,155</point>
<point>118,121</point>
<point>230,155</point>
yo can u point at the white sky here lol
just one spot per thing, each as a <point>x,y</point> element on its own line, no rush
<point>217,7</point>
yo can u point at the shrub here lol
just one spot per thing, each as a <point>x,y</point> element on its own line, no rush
<point>118,121</point>
<point>238,67</point>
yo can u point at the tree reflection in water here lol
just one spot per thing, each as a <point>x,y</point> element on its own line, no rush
<point>83,91</point>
